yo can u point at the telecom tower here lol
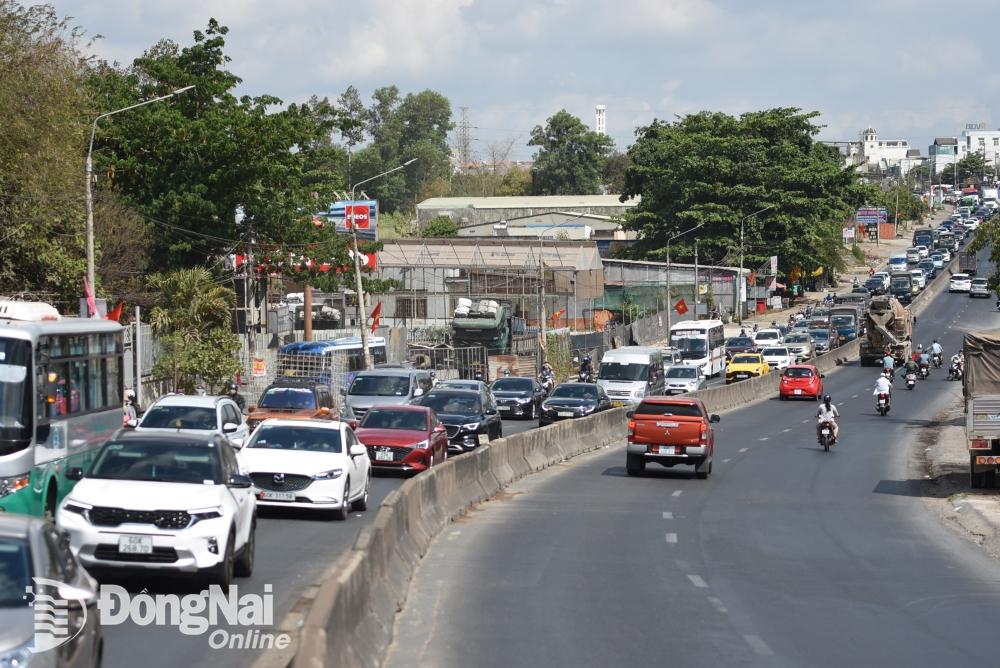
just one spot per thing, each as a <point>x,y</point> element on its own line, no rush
<point>601,119</point>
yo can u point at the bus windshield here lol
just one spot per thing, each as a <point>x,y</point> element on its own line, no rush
<point>15,401</point>
<point>692,348</point>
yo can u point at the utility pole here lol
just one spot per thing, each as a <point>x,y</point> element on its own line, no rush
<point>670,299</point>
<point>696,291</point>
<point>738,286</point>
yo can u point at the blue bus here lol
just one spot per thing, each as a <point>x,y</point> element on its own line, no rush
<point>335,362</point>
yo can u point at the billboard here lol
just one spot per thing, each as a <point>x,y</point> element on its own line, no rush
<point>363,212</point>
<point>871,215</point>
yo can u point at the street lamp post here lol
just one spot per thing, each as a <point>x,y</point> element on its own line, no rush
<point>363,319</point>
<point>541,280</point>
<point>90,176</point>
<point>670,299</point>
<point>739,278</point>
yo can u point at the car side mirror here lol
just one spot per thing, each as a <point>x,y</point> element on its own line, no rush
<point>230,428</point>
<point>440,428</point>
<point>419,392</point>
<point>239,481</point>
<point>237,443</point>
<point>75,474</point>
<point>822,375</point>
<point>715,418</point>
<point>630,414</point>
<point>357,450</point>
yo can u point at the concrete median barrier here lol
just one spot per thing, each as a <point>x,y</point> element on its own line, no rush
<point>349,622</point>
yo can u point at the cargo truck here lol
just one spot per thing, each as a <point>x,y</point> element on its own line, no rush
<point>485,323</point>
<point>901,286</point>
<point>924,237</point>
<point>967,263</point>
<point>981,387</point>
<point>846,320</point>
<point>889,326</point>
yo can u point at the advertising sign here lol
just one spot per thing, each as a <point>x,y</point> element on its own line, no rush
<point>871,215</point>
<point>339,212</point>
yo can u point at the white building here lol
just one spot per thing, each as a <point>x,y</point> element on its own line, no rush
<point>874,154</point>
<point>601,119</point>
<point>977,139</point>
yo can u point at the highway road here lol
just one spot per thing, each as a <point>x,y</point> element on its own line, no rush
<point>786,556</point>
<point>293,552</point>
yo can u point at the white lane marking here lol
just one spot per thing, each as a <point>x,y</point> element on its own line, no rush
<point>763,438</point>
<point>742,450</point>
<point>785,431</point>
<point>758,645</point>
<point>668,515</point>
<point>726,461</point>
<point>698,582</point>
<point>671,537</point>
<point>854,396</point>
<point>804,421</point>
<point>717,604</point>
<point>677,492</point>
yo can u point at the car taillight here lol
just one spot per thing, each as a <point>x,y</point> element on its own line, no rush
<point>979,444</point>
<point>704,434</point>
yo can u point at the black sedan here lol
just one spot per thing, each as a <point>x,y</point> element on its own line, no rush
<point>573,400</point>
<point>518,397</point>
<point>469,416</point>
<point>875,286</point>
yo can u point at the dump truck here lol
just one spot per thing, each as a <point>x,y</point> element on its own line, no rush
<point>482,323</point>
<point>888,325</point>
<point>981,387</point>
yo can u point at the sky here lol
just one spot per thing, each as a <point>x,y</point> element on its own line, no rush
<point>912,69</point>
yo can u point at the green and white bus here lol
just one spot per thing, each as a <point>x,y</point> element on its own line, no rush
<point>60,399</point>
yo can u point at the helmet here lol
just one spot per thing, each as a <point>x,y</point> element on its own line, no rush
<point>231,387</point>
<point>130,395</point>
<point>935,340</point>
<point>920,346</point>
<point>826,399</point>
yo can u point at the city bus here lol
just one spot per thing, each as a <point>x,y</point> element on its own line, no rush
<point>334,362</point>
<point>60,399</point>
<point>701,343</point>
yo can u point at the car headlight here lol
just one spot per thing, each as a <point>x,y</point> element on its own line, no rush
<point>11,485</point>
<point>329,475</point>
<point>472,426</point>
<point>587,410</point>
<point>639,394</point>
<point>199,514</point>
<point>78,507</point>
<point>422,444</point>
<point>19,657</point>
<point>523,400</point>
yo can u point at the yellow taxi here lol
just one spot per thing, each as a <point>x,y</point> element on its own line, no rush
<point>746,365</point>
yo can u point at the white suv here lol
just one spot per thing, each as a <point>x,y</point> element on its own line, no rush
<point>195,414</point>
<point>163,502</point>
<point>960,283</point>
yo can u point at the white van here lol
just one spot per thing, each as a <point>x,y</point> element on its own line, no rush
<point>628,374</point>
<point>898,263</point>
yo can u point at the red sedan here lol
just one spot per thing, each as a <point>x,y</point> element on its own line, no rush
<point>403,438</point>
<point>801,381</point>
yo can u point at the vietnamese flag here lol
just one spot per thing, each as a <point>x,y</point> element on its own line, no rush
<point>116,312</point>
<point>558,314</point>
<point>681,306</point>
<point>376,314</point>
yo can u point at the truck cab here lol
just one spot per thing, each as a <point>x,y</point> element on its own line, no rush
<point>901,286</point>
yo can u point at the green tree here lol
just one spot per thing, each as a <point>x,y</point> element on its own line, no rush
<point>716,170</point>
<point>45,110</point>
<point>971,170</point>
<point>613,175</point>
<point>192,317</point>
<point>441,226</point>
<point>570,158</point>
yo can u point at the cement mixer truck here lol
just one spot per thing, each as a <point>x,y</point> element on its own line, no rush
<point>888,325</point>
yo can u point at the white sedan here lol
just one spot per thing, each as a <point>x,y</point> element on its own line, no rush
<point>960,283</point>
<point>308,464</point>
<point>777,358</point>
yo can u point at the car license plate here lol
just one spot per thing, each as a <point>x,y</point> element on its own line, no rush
<point>135,544</point>
<point>742,375</point>
<point>667,450</point>
<point>269,495</point>
<point>798,391</point>
<point>383,455</point>
<point>504,408</point>
<point>565,414</point>
<point>826,432</point>
<point>617,404</point>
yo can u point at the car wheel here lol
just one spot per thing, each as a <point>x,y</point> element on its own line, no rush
<point>362,504</point>
<point>341,514</point>
<point>702,472</point>
<point>222,575</point>
<point>781,397</point>
<point>634,464</point>
<point>531,414</point>
<point>243,568</point>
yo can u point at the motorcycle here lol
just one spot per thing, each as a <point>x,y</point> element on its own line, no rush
<point>936,358</point>
<point>826,435</point>
<point>911,380</point>
<point>955,372</point>
<point>925,371</point>
<point>889,373</point>
<point>546,381</point>
<point>882,403</point>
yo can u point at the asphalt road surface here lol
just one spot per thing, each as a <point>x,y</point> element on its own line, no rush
<point>785,556</point>
<point>293,552</point>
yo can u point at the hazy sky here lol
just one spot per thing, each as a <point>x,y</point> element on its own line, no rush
<point>913,69</point>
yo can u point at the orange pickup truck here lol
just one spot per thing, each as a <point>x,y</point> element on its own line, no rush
<point>670,431</point>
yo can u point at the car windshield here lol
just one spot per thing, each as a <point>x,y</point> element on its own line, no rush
<point>739,342</point>
<point>682,372</point>
<point>460,384</point>
<point>383,418</point>
<point>513,385</point>
<point>775,352</point>
<point>980,282</point>
<point>685,410</point>
<point>15,572</point>
<point>960,277</point>
<point>180,417</point>
<point>287,437</point>
<point>453,403</point>
<point>794,372</point>
<point>380,386</point>
<point>623,371</point>
<point>797,338</point>
<point>763,336</point>
<point>574,392</point>
<point>146,461</point>
<point>819,334</point>
<point>746,359</point>
<point>842,321</point>
<point>15,402</point>
<point>288,397</point>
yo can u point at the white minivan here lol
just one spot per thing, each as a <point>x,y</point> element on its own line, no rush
<point>897,263</point>
<point>630,373</point>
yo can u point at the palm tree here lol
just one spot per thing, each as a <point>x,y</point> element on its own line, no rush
<point>190,303</point>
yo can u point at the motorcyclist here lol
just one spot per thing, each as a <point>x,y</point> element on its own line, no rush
<point>883,385</point>
<point>925,360</point>
<point>233,390</point>
<point>958,362</point>
<point>586,367</point>
<point>827,412</point>
<point>915,355</point>
<point>130,410</point>
<point>911,367</point>
<point>889,364</point>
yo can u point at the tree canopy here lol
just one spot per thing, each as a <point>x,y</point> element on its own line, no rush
<point>764,168</point>
<point>570,158</point>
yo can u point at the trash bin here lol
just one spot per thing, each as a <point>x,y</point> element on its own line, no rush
<point>761,306</point>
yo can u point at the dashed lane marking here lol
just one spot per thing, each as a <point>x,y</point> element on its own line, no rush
<point>677,492</point>
<point>726,461</point>
<point>763,438</point>
<point>854,396</point>
<point>671,538</point>
<point>697,581</point>
<point>785,431</point>
<point>743,449</point>
<point>667,515</point>
<point>717,604</point>
<point>758,645</point>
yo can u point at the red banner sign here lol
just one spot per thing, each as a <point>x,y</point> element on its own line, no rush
<point>357,214</point>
